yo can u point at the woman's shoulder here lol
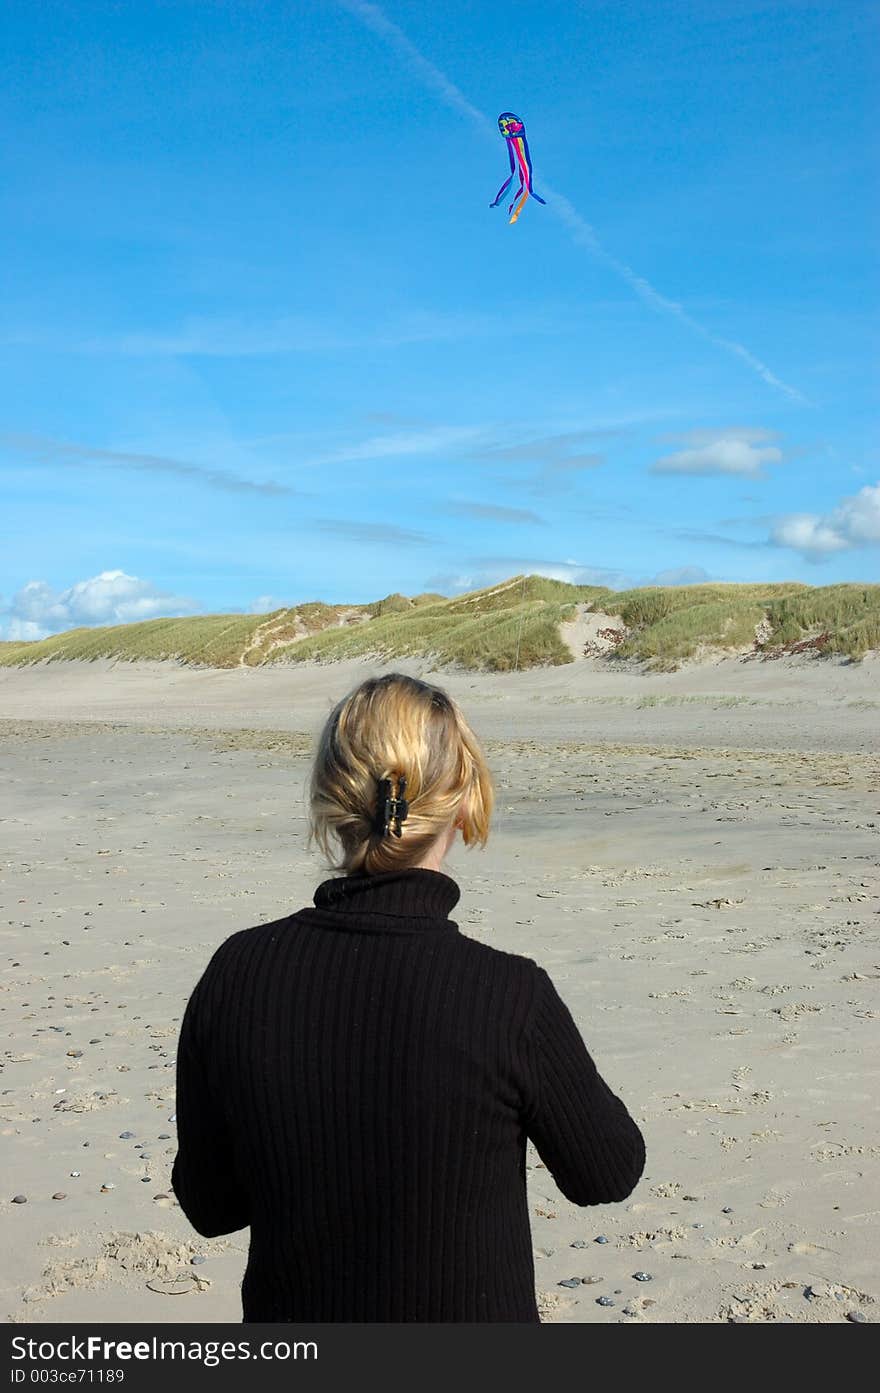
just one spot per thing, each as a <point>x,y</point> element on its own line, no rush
<point>502,962</point>
<point>254,940</point>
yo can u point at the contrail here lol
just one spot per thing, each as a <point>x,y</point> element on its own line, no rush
<point>578,228</point>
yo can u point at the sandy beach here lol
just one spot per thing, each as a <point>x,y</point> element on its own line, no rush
<point>692,856</point>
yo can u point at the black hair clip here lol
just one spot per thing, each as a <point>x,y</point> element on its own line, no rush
<point>390,809</point>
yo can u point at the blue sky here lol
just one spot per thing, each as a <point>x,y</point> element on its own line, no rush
<point>263,340</point>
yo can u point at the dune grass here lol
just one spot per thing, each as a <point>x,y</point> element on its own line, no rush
<point>679,633</point>
<point>11,648</point>
<point>211,640</point>
<point>512,625</point>
<point>640,608</point>
<point>850,614</point>
<point>669,625</point>
<point>524,636</point>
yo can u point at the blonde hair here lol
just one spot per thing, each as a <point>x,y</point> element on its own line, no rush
<point>385,727</point>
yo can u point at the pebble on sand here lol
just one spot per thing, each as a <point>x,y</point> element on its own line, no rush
<point>59,1195</point>
<point>125,1136</point>
<point>570,1282</point>
<point>19,1199</point>
<point>199,1257</point>
<point>601,1239</point>
<point>642,1277</point>
<point>604,1301</point>
<point>856,1317</point>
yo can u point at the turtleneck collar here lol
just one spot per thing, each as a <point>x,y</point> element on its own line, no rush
<point>413,893</point>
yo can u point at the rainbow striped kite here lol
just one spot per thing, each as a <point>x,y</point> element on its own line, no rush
<point>514,132</point>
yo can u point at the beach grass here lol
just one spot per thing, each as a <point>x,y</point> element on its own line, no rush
<point>211,640</point>
<point>512,625</point>
<point>669,625</point>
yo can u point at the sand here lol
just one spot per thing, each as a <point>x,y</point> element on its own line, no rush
<point>691,856</point>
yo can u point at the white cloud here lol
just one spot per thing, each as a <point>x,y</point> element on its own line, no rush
<point>859,517</point>
<point>21,630</point>
<point>742,452</point>
<point>113,597</point>
<point>855,522</point>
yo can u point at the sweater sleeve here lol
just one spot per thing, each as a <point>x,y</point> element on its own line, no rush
<point>581,1130</point>
<point>204,1175</point>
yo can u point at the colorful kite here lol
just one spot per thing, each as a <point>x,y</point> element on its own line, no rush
<point>514,132</point>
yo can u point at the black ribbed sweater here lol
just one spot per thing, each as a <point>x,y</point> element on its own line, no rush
<point>357,1081</point>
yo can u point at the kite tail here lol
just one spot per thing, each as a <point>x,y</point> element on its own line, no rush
<point>520,205</point>
<point>528,160</point>
<point>502,191</point>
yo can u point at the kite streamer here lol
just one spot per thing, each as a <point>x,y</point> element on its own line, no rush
<point>514,132</point>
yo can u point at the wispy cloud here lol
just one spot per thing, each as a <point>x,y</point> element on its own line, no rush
<point>752,521</point>
<point>743,452</point>
<point>691,534</point>
<point>65,453</point>
<point>371,532</point>
<point>495,512</point>
<point>112,597</point>
<point>855,522</point>
<point>486,443</point>
<point>205,337</point>
<point>432,440</point>
<point>433,78</point>
<point>549,449</point>
<point>559,476</point>
<point>558,456</point>
<point>586,236</point>
<point>580,231</point>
